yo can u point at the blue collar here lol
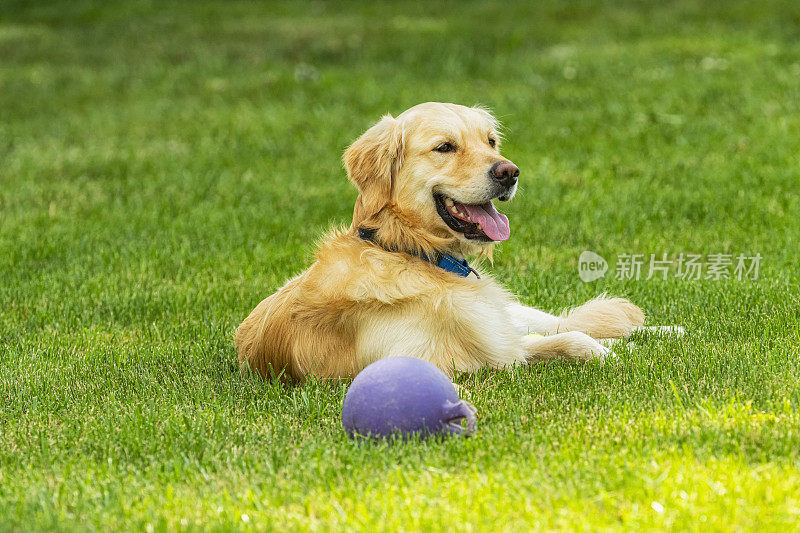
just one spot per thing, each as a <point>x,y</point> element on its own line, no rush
<point>445,261</point>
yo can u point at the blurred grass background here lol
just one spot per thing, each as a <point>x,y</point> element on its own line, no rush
<point>165,165</point>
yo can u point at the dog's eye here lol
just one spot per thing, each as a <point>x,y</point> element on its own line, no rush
<point>492,142</point>
<point>445,147</point>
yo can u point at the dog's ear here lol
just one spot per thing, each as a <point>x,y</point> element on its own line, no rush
<point>372,163</point>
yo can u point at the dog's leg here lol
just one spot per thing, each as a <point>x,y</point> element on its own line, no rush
<point>601,318</point>
<point>570,346</point>
<point>529,320</point>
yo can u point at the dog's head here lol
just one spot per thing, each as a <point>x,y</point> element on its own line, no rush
<point>437,167</point>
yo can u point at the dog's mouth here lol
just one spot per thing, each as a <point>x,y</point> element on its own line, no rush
<point>480,222</point>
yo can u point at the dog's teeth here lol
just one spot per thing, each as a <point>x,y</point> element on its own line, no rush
<point>480,228</point>
<point>448,202</point>
<point>469,218</point>
<point>454,210</point>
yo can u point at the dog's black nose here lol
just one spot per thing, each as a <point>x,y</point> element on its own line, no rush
<point>505,173</point>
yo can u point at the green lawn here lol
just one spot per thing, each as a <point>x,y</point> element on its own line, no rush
<point>165,166</point>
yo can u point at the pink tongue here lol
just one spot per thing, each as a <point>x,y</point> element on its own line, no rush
<point>494,224</point>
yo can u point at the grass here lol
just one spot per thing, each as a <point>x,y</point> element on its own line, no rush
<point>164,166</point>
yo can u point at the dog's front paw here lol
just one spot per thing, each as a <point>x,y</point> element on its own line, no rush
<point>570,346</point>
<point>604,318</point>
<point>581,347</point>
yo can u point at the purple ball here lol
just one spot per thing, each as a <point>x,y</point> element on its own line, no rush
<point>404,395</point>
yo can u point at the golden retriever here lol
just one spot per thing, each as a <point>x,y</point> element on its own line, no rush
<point>426,182</point>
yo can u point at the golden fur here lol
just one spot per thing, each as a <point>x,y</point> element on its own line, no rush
<point>359,302</point>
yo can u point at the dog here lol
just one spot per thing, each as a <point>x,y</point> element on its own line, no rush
<point>396,283</point>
